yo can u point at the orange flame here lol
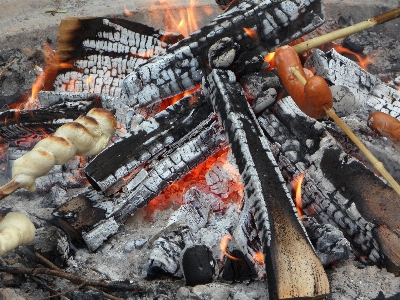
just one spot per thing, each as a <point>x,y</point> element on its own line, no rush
<point>362,62</point>
<point>172,196</point>
<point>259,258</point>
<point>170,101</point>
<point>251,32</point>
<point>127,12</point>
<point>269,58</point>
<point>224,246</point>
<point>183,20</point>
<point>297,186</point>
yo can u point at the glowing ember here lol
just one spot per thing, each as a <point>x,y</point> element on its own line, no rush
<point>224,246</point>
<point>252,33</point>
<point>170,101</point>
<point>362,62</point>
<point>297,186</point>
<point>259,258</point>
<point>127,13</point>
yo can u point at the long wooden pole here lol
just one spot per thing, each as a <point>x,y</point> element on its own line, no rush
<point>344,32</point>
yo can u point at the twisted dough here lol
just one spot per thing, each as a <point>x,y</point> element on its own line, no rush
<point>87,135</point>
<point>15,230</point>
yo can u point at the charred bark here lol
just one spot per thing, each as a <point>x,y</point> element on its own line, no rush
<point>285,243</point>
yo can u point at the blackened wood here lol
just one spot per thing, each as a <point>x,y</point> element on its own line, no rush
<point>293,270</point>
<point>198,265</point>
<point>206,139</point>
<point>369,91</point>
<point>349,197</point>
<point>15,124</point>
<point>152,138</point>
<point>185,63</point>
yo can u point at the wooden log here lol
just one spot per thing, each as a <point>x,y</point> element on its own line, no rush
<point>351,198</point>
<point>184,64</point>
<point>207,138</point>
<point>16,124</point>
<point>369,92</point>
<point>151,138</point>
<point>293,269</point>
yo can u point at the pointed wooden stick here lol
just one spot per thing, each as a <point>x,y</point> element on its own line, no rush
<point>8,188</point>
<point>375,162</point>
<point>341,33</point>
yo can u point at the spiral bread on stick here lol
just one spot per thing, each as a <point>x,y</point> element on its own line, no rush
<point>87,135</point>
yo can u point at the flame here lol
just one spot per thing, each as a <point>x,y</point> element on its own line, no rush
<point>172,196</point>
<point>183,20</point>
<point>269,58</point>
<point>127,13</point>
<point>251,32</point>
<point>224,246</point>
<point>297,186</point>
<point>259,258</point>
<point>170,101</point>
<point>362,62</point>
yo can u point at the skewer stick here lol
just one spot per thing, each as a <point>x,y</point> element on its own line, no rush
<point>8,188</point>
<point>375,162</point>
<point>344,32</point>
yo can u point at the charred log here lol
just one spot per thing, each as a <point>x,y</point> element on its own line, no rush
<point>15,124</point>
<point>281,234</point>
<point>151,139</point>
<point>348,197</point>
<point>184,64</point>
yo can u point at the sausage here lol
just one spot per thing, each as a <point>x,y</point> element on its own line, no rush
<point>318,94</point>
<point>285,58</point>
<point>385,125</point>
<point>311,97</point>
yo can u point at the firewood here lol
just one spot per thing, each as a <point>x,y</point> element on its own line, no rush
<point>293,269</point>
<point>88,135</point>
<point>184,64</point>
<point>376,164</point>
<point>352,198</point>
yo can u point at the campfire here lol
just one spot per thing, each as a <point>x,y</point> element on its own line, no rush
<point>206,134</point>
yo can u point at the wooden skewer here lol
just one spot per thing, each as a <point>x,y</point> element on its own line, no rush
<point>8,188</point>
<point>375,162</point>
<point>344,32</point>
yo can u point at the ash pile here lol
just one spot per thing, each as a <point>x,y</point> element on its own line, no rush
<point>228,165</point>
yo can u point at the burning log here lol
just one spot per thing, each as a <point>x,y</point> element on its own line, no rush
<point>284,241</point>
<point>204,140</point>
<point>183,65</point>
<point>151,139</point>
<point>347,202</point>
<point>370,93</point>
<point>16,124</point>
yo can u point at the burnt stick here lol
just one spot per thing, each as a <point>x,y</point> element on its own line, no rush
<point>284,241</point>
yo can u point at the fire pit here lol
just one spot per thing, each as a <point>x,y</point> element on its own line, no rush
<point>155,247</point>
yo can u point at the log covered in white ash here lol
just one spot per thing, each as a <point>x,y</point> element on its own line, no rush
<point>337,189</point>
<point>283,239</point>
<point>204,140</point>
<point>150,139</point>
<point>184,64</point>
<point>16,124</point>
<point>370,92</point>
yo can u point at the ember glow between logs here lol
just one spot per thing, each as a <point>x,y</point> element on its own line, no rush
<point>172,196</point>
